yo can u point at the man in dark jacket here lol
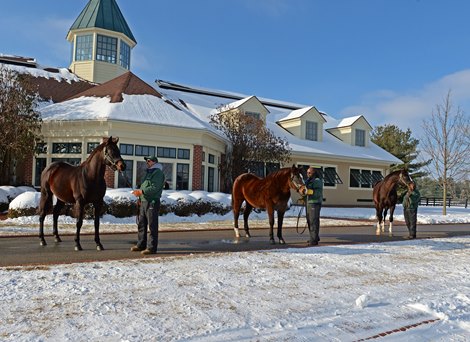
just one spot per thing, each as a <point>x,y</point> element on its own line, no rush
<point>410,209</point>
<point>149,195</point>
<point>314,201</point>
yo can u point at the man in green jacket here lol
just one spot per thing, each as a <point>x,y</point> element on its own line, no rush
<point>410,209</point>
<point>149,195</point>
<point>314,201</point>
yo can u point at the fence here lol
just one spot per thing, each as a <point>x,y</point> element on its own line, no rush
<point>438,202</point>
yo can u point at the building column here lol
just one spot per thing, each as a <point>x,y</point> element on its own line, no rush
<point>197,163</point>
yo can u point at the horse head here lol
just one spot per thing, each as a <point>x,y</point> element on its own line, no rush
<point>404,178</point>
<point>296,181</point>
<point>112,154</point>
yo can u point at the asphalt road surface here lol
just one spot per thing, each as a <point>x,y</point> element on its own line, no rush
<point>20,251</point>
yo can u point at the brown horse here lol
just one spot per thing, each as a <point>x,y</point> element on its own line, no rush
<point>270,193</point>
<point>78,185</point>
<point>385,197</point>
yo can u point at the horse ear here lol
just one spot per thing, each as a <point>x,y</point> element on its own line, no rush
<point>115,140</point>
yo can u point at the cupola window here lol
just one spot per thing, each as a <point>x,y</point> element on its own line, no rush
<point>84,48</point>
<point>106,49</point>
<point>125,55</point>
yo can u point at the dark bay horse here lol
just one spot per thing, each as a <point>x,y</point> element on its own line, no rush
<point>78,185</point>
<point>270,193</point>
<point>385,197</point>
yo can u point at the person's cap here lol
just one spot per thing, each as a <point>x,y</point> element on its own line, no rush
<point>152,158</point>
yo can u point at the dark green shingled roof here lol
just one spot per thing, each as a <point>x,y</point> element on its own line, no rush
<point>104,14</point>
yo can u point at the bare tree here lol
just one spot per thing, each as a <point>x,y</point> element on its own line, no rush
<point>20,123</point>
<point>447,142</point>
<point>251,141</point>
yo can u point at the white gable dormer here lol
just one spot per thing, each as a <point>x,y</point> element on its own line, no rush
<point>354,130</point>
<point>249,106</point>
<point>304,123</point>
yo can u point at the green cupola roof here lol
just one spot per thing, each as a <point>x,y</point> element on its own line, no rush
<point>103,14</point>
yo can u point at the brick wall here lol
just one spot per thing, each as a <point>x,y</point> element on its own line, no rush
<point>197,162</point>
<point>109,177</point>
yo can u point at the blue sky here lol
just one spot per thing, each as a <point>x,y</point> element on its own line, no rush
<point>391,60</point>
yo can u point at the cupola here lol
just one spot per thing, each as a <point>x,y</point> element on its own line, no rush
<point>102,42</point>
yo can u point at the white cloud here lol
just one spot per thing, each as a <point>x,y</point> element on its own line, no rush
<point>409,109</point>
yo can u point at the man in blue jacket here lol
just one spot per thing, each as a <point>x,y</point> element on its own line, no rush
<point>314,201</point>
<point>149,195</point>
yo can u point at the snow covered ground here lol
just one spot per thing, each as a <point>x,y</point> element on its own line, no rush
<point>336,293</point>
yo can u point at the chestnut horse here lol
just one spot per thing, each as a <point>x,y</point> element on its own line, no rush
<point>270,193</point>
<point>78,185</point>
<point>385,197</point>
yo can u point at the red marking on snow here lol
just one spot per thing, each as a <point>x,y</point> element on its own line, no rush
<point>405,328</point>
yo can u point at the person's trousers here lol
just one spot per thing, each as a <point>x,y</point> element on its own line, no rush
<point>313,219</point>
<point>410,219</point>
<point>148,217</point>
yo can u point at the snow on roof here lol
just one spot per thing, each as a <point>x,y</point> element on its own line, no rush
<point>331,147</point>
<point>36,70</point>
<point>295,114</point>
<point>134,108</point>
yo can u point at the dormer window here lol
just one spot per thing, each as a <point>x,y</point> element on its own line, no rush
<point>106,49</point>
<point>255,115</point>
<point>360,137</point>
<point>311,130</point>
<point>84,48</point>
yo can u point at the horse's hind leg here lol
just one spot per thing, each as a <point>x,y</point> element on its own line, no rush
<point>236,205</point>
<point>45,204</point>
<point>280,219</point>
<point>98,207</point>
<point>246,213</point>
<point>271,225</point>
<point>55,218</point>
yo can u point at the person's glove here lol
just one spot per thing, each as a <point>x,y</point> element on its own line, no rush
<point>137,192</point>
<point>310,192</point>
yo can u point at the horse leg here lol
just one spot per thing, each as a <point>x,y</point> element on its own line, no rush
<point>270,211</point>
<point>392,210</point>
<point>247,213</point>
<point>79,209</point>
<point>378,213</point>
<point>55,217</point>
<point>382,227</point>
<point>98,205</point>
<point>280,219</point>
<point>45,204</point>
<point>236,213</point>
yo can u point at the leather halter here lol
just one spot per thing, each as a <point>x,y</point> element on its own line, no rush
<point>297,185</point>
<point>112,163</point>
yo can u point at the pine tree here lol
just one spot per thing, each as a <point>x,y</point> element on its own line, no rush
<point>402,145</point>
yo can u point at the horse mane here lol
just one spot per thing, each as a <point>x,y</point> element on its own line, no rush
<point>97,149</point>
<point>278,173</point>
<point>393,174</point>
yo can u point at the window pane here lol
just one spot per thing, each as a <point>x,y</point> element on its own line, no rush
<point>210,179</point>
<point>311,132</point>
<point>354,178</point>
<point>125,55</point>
<point>182,176</point>
<point>127,181</point>
<point>106,49</point>
<point>91,146</point>
<point>183,153</point>
<point>83,48</point>
<point>360,137</point>
<point>40,166</point>
<point>366,179</point>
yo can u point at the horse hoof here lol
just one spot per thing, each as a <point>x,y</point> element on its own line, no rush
<point>43,243</point>
<point>99,247</point>
<point>58,239</point>
<point>248,235</point>
<point>78,248</point>
<point>272,242</point>
<point>282,242</point>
